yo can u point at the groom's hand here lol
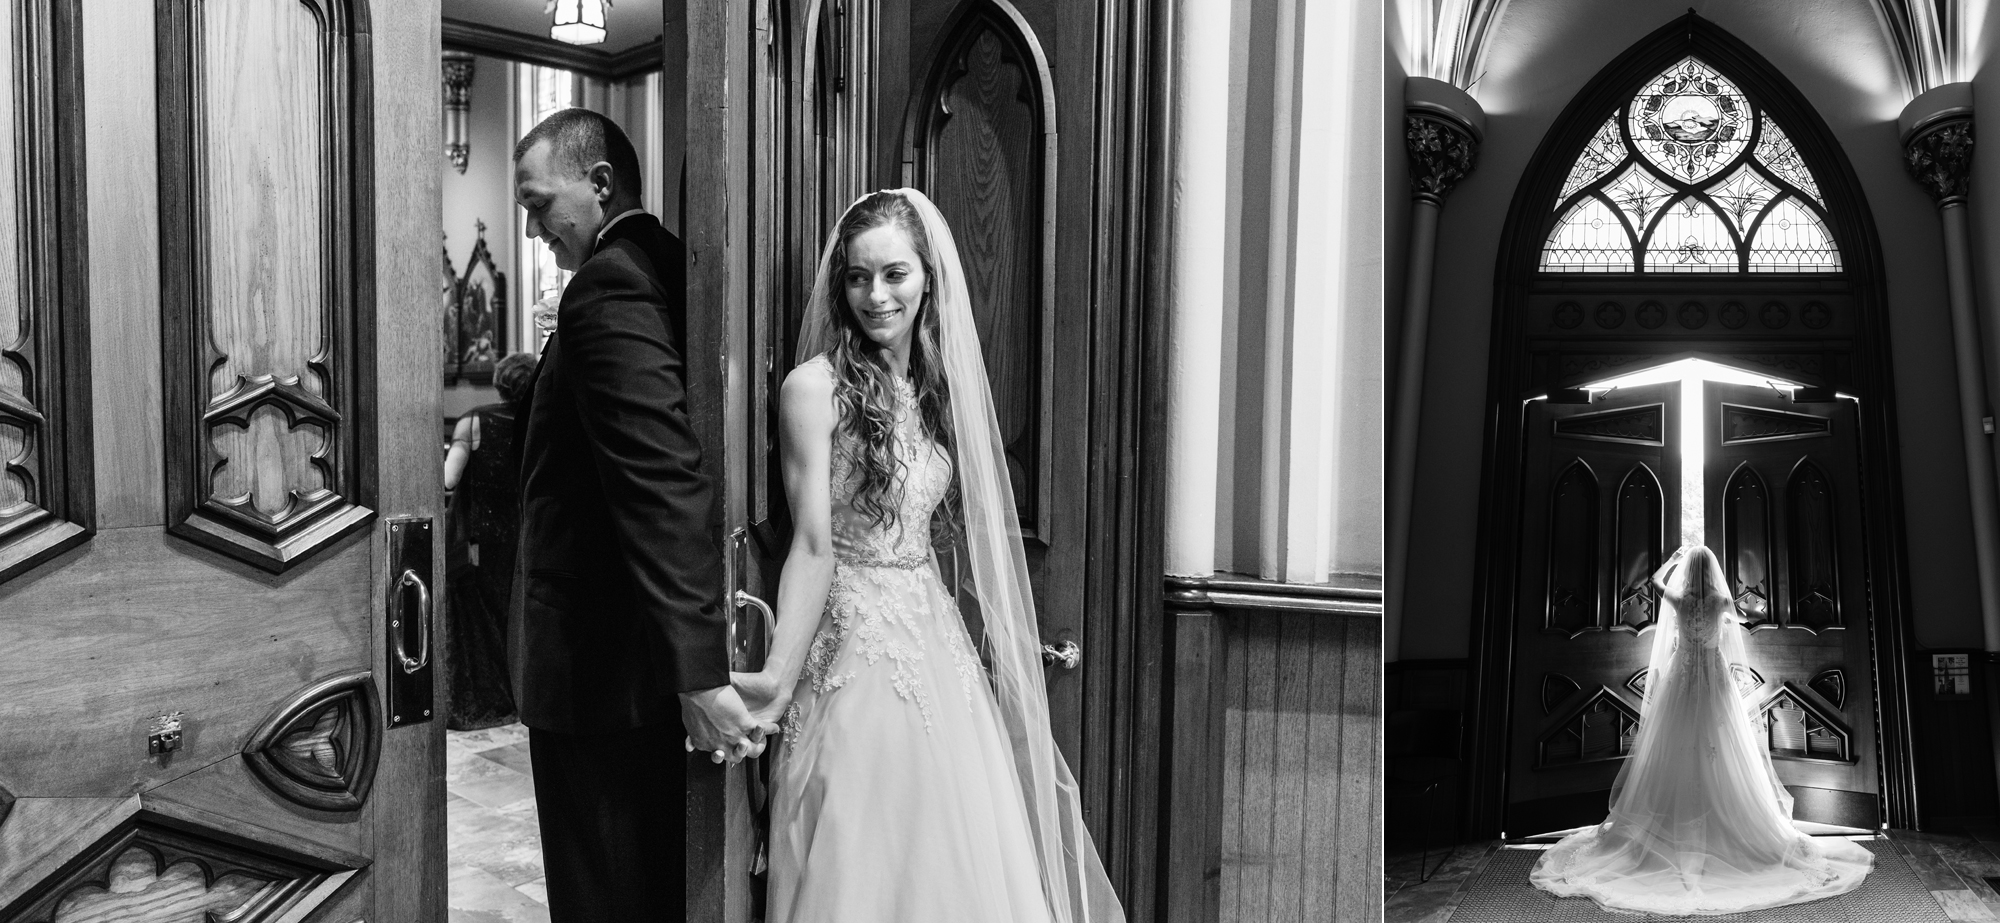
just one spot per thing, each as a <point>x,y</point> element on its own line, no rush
<point>718,724</point>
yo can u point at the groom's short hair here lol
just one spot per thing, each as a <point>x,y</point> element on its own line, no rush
<point>579,138</point>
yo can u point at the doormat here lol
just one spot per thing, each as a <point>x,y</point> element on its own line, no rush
<point>1500,893</point>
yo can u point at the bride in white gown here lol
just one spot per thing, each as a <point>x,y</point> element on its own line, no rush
<point>913,782</point>
<point>1699,822</point>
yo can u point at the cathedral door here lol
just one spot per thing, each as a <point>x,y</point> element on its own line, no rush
<point>1600,516</point>
<point>1778,483</point>
<point>1783,511</point>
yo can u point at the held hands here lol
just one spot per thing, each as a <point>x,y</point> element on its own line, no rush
<point>764,694</point>
<point>718,723</point>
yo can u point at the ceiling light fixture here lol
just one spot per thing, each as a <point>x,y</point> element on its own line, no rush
<point>578,22</point>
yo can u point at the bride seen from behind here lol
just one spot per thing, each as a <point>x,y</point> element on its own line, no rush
<point>913,782</point>
<point>1699,822</point>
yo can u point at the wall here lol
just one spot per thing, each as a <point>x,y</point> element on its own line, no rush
<point>1541,54</point>
<point>484,192</point>
<point>1301,375</point>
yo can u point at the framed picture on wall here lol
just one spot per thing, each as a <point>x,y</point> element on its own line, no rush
<point>476,321</point>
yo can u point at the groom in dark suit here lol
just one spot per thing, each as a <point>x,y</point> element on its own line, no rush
<point>618,609</point>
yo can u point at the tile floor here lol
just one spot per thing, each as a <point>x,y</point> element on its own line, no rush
<point>1466,886</point>
<point>493,838</point>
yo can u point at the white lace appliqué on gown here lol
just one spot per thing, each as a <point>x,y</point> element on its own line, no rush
<point>894,796</point>
<point>1699,823</point>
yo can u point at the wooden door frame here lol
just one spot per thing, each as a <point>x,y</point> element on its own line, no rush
<point>1524,362</point>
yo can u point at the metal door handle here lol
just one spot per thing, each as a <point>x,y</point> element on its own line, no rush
<point>743,598</point>
<point>411,578</point>
<point>1068,654</point>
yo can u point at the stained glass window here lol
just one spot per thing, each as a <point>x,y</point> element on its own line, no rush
<point>1689,176</point>
<point>1591,238</point>
<point>1689,121</point>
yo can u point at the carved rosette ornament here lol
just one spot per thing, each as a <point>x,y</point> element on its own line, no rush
<point>1441,153</point>
<point>1939,158</point>
<point>457,107</point>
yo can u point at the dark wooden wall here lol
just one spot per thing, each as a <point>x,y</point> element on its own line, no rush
<point>1275,763</point>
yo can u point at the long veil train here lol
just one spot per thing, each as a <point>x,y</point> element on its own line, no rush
<point>1699,822</point>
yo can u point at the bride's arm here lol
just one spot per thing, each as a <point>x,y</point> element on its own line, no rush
<point>1660,576</point>
<point>806,419</point>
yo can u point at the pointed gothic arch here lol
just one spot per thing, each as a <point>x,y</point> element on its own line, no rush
<point>1826,329</point>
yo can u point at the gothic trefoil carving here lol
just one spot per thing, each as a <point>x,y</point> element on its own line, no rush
<point>1940,160</point>
<point>1441,153</point>
<point>319,748</point>
<point>152,864</point>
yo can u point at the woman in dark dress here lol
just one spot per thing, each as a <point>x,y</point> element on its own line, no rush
<point>482,471</point>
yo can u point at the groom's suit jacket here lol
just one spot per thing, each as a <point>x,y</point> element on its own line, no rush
<point>619,606</point>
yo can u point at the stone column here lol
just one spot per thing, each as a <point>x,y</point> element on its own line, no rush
<point>1937,149</point>
<point>1200,187</point>
<point>1442,128</point>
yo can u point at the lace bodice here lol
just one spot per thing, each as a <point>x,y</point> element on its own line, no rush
<point>1701,626</point>
<point>923,481</point>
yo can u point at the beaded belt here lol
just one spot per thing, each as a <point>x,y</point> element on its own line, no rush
<point>906,562</point>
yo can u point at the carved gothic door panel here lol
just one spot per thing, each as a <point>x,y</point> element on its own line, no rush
<point>219,471</point>
<point>1599,515</point>
<point>1784,517</point>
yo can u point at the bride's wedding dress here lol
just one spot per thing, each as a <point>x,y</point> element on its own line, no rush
<point>895,795</point>
<point>1699,822</point>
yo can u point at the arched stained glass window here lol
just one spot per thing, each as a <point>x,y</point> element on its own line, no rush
<point>1689,176</point>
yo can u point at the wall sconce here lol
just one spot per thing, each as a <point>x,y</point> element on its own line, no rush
<point>578,22</point>
<point>457,106</point>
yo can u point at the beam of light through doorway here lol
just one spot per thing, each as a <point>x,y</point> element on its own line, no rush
<point>1691,373</point>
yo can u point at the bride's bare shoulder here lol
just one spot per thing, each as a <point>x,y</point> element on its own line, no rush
<point>808,391</point>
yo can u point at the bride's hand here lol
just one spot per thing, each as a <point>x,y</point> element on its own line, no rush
<point>763,694</point>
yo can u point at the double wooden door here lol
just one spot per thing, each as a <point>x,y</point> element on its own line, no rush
<point>1603,507</point>
<point>219,464</point>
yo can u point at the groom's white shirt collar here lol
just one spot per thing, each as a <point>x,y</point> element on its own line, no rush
<point>606,229</point>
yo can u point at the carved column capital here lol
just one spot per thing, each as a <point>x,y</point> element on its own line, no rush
<point>1441,153</point>
<point>1936,128</point>
<point>457,106</point>
<point>1939,158</point>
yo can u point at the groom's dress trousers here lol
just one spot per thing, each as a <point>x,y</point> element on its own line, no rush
<point>618,591</point>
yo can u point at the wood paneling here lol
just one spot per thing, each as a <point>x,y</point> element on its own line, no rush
<point>260,302</point>
<point>135,624</point>
<point>45,485</point>
<point>125,309</point>
<point>1275,794</point>
<point>1303,731</point>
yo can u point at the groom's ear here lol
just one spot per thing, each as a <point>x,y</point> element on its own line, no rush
<point>601,181</point>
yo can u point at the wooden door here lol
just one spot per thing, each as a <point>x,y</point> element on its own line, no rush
<point>1601,514</point>
<point>219,465</point>
<point>1784,516</point>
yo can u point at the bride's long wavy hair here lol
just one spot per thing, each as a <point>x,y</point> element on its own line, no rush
<point>862,389</point>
